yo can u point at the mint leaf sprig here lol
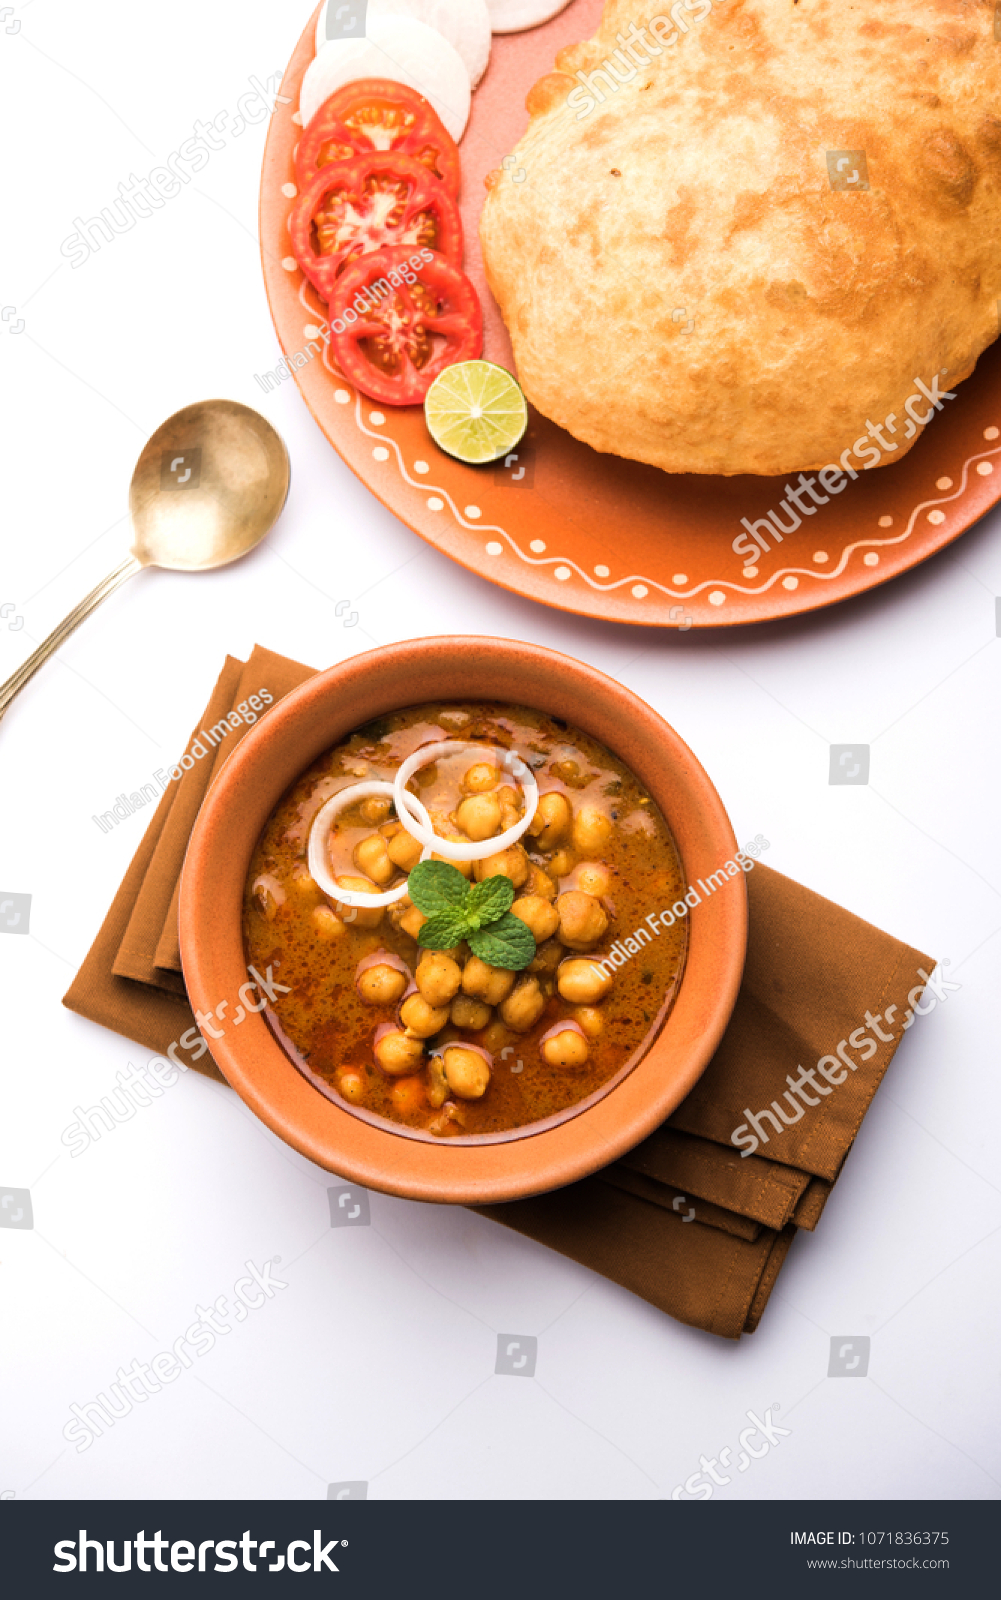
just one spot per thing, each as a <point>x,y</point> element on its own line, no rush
<point>480,913</point>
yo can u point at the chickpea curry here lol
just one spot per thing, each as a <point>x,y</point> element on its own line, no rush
<point>439,895</point>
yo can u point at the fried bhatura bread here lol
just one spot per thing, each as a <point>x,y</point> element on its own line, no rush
<point>688,276</point>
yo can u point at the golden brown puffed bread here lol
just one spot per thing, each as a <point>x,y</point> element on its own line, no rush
<point>681,282</point>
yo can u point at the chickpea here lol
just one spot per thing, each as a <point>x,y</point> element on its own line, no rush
<point>470,1014</point>
<point>372,858</point>
<point>567,1048</point>
<point>358,916</point>
<point>466,1072</point>
<point>479,816</point>
<point>408,1095</point>
<point>592,830</point>
<point>552,821</point>
<point>562,863</point>
<point>481,777</point>
<point>594,878</point>
<point>590,1019</point>
<point>437,1082</point>
<point>412,921</point>
<point>582,982</point>
<point>512,863</point>
<point>326,926</point>
<point>404,850</point>
<point>541,918</point>
<point>496,1037</point>
<point>420,1019</point>
<point>381,985</point>
<point>582,920</point>
<point>524,1005</point>
<point>547,957</point>
<point>511,808</point>
<point>376,808</point>
<point>539,882</point>
<point>438,977</point>
<point>351,1083</point>
<point>398,1055</point>
<point>492,984</point>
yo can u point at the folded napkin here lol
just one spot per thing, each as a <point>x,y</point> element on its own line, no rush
<point>698,1218</point>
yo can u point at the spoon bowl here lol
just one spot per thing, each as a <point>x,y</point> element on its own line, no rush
<point>207,488</point>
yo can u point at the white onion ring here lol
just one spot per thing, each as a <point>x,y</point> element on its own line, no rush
<point>317,860</point>
<point>510,762</point>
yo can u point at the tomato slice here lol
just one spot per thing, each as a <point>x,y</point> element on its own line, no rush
<point>369,203</point>
<point>396,336</point>
<point>376,114</point>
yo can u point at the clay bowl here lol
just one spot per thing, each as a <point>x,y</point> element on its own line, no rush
<point>317,716</point>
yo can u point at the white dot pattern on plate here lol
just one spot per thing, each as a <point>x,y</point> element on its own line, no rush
<point>871,559</point>
<point>341,396</point>
<point>886,522</point>
<point>790,583</point>
<point>563,573</point>
<point>990,433</point>
<point>380,453</point>
<point>473,512</point>
<point>943,483</point>
<point>639,591</point>
<point>495,549</point>
<point>289,263</point>
<point>717,598</point>
<point>985,468</point>
<point>297,118</point>
<point>750,572</point>
<point>538,545</point>
<point>680,577</point>
<point>601,572</point>
<point>376,418</point>
<point>434,504</point>
<point>310,331</point>
<point>936,517</point>
<point>421,466</point>
<point>820,556</point>
<point>289,190</point>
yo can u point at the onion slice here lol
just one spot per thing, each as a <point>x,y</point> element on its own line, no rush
<point>510,762</point>
<point>317,857</point>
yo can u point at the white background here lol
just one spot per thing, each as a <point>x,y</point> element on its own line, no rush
<point>376,1361</point>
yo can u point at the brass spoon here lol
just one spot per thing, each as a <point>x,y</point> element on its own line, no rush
<point>208,486</point>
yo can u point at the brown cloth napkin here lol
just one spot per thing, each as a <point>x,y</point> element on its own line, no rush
<point>687,1220</point>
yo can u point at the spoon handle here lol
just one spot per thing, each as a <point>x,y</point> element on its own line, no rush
<point>16,682</point>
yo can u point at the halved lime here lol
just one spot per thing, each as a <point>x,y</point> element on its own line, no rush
<point>476,411</point>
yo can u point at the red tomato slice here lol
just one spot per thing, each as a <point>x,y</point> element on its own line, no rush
<point>397,336</point>
<point>369,203</point>
<point>377,114</point>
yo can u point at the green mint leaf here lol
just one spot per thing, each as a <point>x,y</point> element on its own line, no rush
<point>505,943</point>
<point>443,930</point>
<point>490,899</point>
<point>436,886</point>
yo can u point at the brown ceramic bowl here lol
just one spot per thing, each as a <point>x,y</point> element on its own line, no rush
<point>314,718</point>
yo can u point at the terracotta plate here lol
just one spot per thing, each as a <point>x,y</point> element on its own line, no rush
<point>592,533</point>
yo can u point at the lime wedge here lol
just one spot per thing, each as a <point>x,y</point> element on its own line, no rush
<point>476,411</point>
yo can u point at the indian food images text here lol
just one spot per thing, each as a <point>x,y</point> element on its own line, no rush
<point>437,1038</point>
